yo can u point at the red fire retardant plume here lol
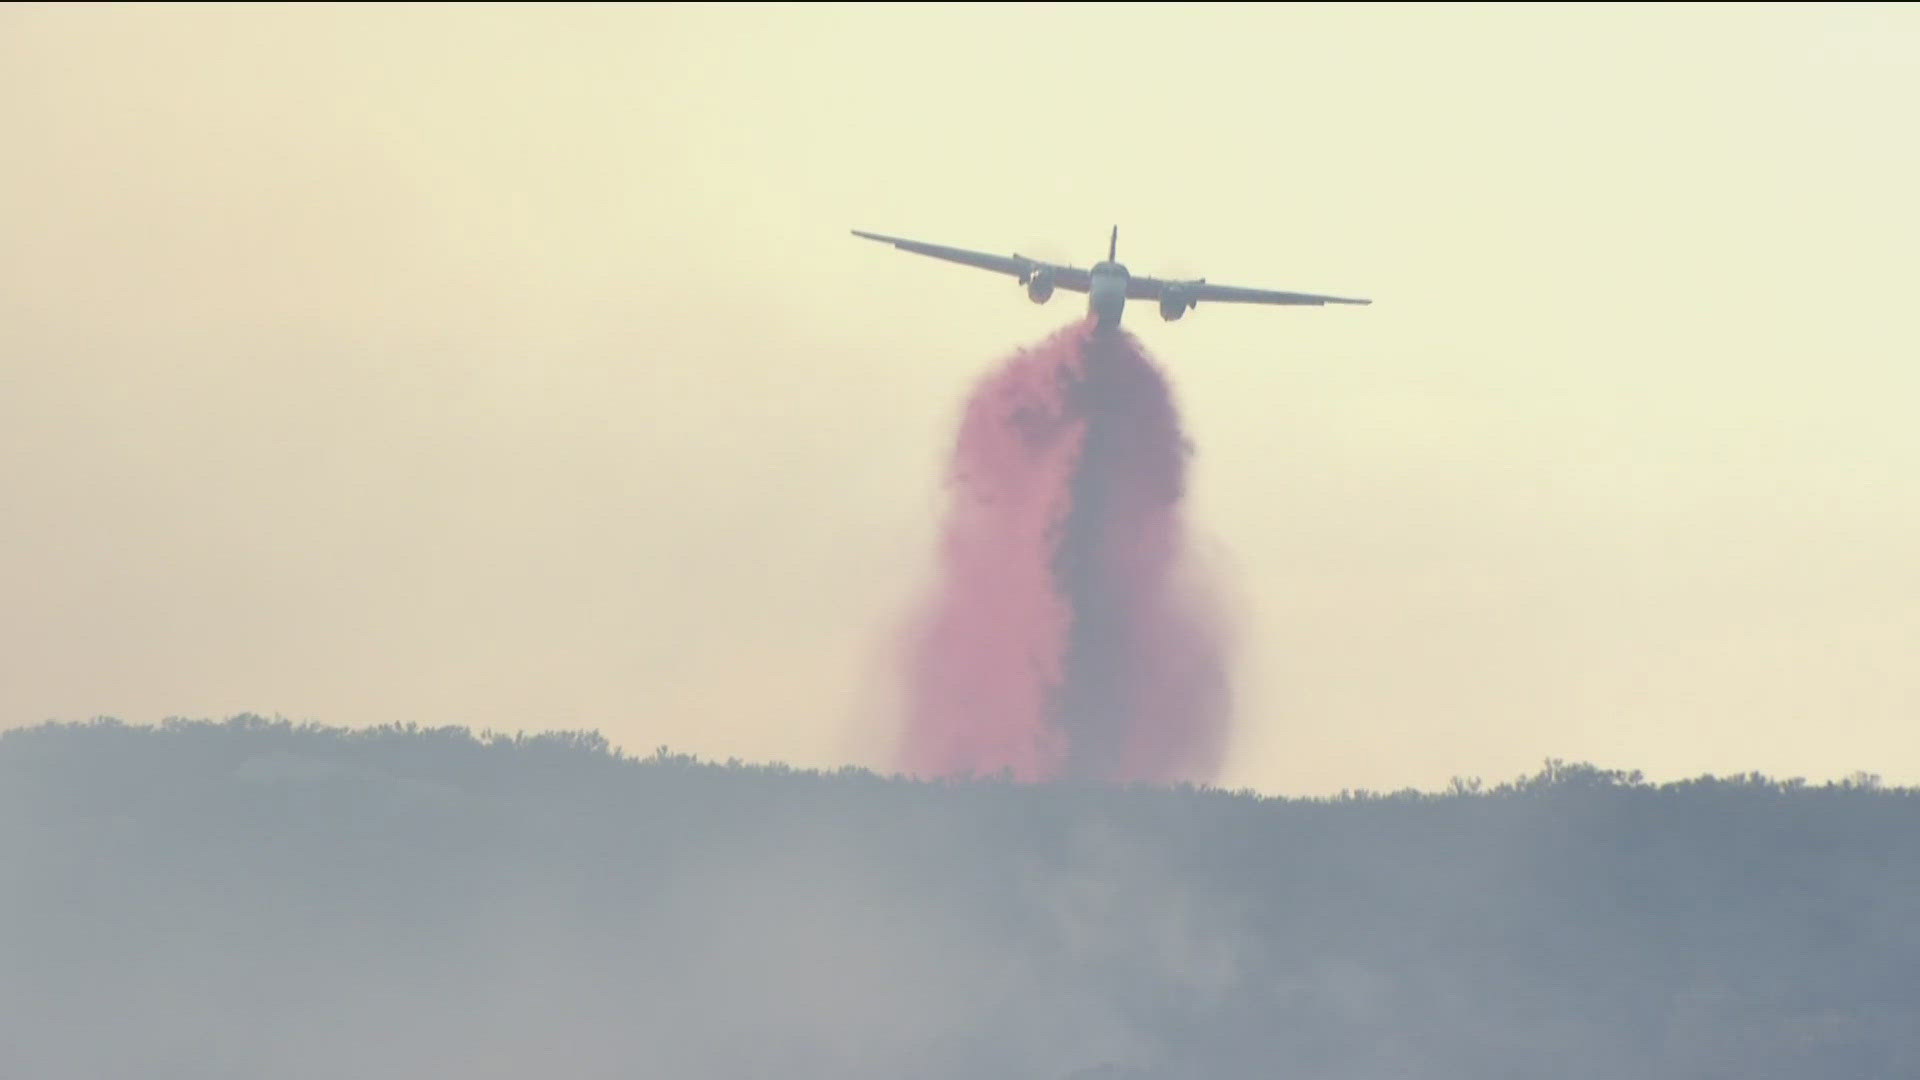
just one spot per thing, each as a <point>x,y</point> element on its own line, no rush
<point>1064,640</point>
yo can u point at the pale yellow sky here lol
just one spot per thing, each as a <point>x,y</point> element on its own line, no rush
<point>513,367</point>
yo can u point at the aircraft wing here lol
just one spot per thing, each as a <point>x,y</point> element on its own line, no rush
<point>1146,288</point>
<point>1065,277</point>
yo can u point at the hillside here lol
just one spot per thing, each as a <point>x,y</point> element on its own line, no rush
<point>254,898</point>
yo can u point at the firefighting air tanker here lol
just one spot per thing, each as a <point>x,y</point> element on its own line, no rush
<point>1108,285</point>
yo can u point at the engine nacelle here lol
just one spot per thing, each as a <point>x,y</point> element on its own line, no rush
<point>1173,304</point>
<point>1040,287</point>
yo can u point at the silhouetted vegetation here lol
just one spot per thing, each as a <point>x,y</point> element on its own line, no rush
<point>256,898</point>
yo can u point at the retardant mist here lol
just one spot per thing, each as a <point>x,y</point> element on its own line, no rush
<point>1068,636</point>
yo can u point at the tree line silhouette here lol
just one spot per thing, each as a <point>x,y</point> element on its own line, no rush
<point>255,897</point>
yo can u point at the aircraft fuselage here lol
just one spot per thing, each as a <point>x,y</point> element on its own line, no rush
<point>1107,294</point>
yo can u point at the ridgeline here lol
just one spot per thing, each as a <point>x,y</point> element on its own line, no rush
<point>255,898</point>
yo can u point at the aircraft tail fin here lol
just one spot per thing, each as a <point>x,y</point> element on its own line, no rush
<point>1113,245</point>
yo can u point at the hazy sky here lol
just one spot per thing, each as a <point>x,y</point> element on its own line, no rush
<point>514,368</point>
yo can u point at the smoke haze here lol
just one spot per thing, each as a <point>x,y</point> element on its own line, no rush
<point>263,901</point>
<point>1065,639</point>
<point>512,365</point>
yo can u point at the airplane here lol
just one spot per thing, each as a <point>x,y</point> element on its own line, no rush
<point>1108,285</point>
